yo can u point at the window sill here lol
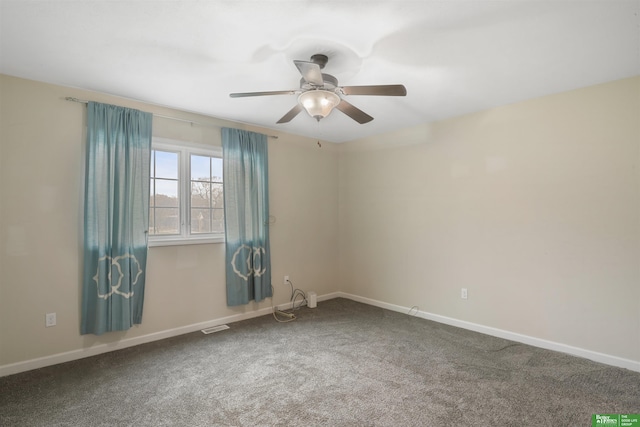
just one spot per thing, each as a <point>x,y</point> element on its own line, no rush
<point>181,241</point>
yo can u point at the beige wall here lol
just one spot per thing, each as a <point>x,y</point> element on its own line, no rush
<point>41,159</point>
<point>533,207</point>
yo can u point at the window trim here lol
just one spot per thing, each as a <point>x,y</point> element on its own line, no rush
<point>185,149</point>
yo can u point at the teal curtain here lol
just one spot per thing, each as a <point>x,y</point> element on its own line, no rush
<point>246,215</point>
<point>116,217</point>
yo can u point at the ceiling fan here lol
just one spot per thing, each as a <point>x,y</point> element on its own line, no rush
<point>320,93</point>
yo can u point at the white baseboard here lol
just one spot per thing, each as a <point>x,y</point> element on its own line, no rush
<point>41,362</point>
<point>325,297</point>
<point>500,333</point>
<point>69,356</point>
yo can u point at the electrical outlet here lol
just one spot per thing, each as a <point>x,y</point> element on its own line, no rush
<point>286,280</point>
<point>463,293</point>
<point>50,319</point>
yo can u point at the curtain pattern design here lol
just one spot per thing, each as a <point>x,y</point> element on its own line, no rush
<point>116,217</point>
<point>246,214</point>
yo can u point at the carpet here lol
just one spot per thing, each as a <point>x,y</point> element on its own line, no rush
<point>341,364</point>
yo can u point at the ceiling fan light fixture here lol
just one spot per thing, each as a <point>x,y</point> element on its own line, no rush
<point>320,93</point>
<point>319,103</point>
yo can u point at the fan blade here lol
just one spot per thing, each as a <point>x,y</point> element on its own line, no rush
<point>355,113</point>
<point>381,90</point>
<point>310,72</point>
<point>275,92</point>
<point>291,114</point>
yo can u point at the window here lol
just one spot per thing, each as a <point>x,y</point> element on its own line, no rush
<point>186,194</point>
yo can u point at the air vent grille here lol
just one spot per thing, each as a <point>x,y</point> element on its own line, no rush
<point>213,329</point>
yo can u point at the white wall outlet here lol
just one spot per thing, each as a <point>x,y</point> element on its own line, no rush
<point>50,319</point>
<point>286,280</point>
<point>463,293</point>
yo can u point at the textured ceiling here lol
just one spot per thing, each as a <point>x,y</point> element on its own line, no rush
<point>454,57</point>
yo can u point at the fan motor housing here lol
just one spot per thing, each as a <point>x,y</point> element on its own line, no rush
<point>330,83</point>
<point>320,59</point>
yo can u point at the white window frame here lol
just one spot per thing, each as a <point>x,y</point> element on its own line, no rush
<point>184,150</point>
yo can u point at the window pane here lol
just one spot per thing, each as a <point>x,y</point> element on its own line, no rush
<point>166,193</point>
<point>200,168</point>
<point>216,169</point>
<point>185,183</point>
<point>152,166</point>
<point>200,194</point>
<point>200,221</point>
<point>151,221</point>
<point>166,164</point>
<point>167,221</point>
<point>217,225</point>
<point>217,194</point>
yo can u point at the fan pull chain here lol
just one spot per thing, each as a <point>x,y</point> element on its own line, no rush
<point>319,145</point>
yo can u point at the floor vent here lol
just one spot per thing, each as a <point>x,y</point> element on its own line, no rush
<point>214,329</point>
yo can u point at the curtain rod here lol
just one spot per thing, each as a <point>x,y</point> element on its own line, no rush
<point>84,101</point>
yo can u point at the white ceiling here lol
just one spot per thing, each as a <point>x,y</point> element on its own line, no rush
<point>454,57</point>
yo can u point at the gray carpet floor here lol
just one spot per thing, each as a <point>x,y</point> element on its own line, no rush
<point>340,364</point>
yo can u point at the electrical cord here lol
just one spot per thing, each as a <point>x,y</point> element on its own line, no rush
<point>302,301</point>
<point>297,299</point>
<point>411,313</point>
<point>290,317</point>
<point>295,294</point>
<point>290,284</point>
